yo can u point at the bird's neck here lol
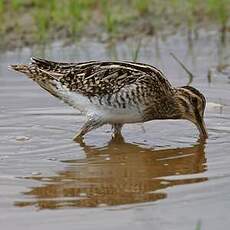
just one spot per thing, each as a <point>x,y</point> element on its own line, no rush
<point>165,108</point>
<point>182,101</point>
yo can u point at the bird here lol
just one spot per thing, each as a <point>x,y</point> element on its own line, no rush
<point>117,93</point>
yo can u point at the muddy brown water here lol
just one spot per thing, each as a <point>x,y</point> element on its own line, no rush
<point>159,177</point>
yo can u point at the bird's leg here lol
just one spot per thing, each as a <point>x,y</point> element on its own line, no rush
<point>117,136</point>
<point>117,129</point>
<point>90,124</point>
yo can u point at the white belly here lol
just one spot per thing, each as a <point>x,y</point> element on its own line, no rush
<point>120,115</point>
<point>109,114</point>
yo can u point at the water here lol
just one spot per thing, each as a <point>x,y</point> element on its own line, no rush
<point>159,177</point>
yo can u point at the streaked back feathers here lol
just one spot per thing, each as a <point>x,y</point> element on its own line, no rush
<point>100,78</point>
<point>117,92</point>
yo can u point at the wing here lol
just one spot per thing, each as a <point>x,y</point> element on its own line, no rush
<point>105,78</point>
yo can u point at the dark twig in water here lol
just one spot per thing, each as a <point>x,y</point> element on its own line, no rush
<point>191,76</point>
<point>209,76</point>
<point>136,51</point>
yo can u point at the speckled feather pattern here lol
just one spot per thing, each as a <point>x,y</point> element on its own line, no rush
<point>126,87</point>
<point>117,93</point>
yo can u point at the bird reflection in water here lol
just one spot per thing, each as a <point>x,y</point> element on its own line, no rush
<point>117,174</point>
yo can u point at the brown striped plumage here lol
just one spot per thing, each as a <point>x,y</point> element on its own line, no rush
<point>117,92</point>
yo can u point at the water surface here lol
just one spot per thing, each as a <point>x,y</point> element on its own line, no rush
<point>158,177</point>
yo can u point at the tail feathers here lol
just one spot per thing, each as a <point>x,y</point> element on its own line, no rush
<point>36,73</point>
<point>21,68</point>
<point>42,77</point>
<point>60,67</point>
<point>42,63</point>
<point>32,71</point>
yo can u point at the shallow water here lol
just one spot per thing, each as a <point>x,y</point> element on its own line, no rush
<point>159,177</point>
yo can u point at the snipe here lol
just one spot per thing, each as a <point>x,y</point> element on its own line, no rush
<point>117,93</point>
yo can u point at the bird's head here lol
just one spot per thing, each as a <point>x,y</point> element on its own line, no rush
<point>192,105</point>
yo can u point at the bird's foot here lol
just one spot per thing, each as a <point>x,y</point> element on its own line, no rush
<point>117,138</point>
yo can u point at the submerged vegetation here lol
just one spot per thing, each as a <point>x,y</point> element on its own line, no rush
<point>24,22</point>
